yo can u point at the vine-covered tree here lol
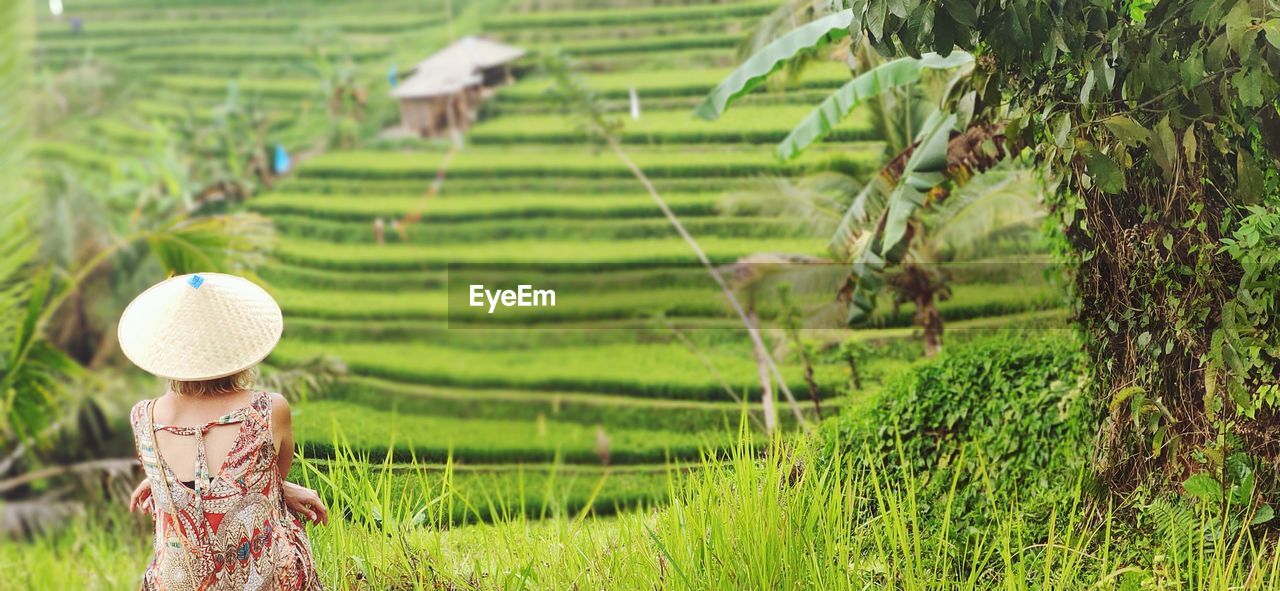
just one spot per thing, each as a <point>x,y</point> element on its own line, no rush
<point>1160,120</point>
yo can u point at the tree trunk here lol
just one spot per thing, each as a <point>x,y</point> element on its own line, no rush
<point>753,328</point>
<point>928,318</point>
<point>1149,369</point>
<point>813,386</point>
<point>766,383</point>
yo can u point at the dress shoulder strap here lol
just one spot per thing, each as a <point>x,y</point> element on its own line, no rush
<point>262,404</point>
<point>138,416</point>
<point>144,436</point>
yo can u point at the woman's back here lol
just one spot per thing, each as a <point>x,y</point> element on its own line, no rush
<point>181,452</point>
<point>221,522</point>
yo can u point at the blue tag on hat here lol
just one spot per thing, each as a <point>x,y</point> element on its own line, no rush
<point>195,281</point>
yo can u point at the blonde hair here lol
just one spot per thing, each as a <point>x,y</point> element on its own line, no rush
<point>242,380</point>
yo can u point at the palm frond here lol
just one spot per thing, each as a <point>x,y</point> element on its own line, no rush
<point>302,380</point>
<point>31,370</point>
<point>1004,197</point>
<point>17,253</point>
<point>852,233</point>
<point>233,243</point>
<point>17,28</point>
<point>33,373</point>
<point>812,204</point>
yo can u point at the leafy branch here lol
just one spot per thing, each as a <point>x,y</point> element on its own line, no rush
<point>581,103</point>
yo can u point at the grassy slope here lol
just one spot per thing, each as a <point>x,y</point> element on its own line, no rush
<point>505,200</point>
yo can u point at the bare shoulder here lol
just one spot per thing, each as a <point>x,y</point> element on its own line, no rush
<point>280,409</point>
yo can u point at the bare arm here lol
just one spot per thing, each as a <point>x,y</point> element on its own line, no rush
<point>298,498</point>
<point>282,432</point>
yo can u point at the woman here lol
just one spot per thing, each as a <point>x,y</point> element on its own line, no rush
<point>216,453</point>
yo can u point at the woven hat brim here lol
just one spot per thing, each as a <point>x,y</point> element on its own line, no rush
<point>217,327</point>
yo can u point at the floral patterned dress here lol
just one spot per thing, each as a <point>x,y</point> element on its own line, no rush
<point>225,531</point>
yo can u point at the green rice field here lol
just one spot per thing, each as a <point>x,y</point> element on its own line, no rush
<point>597,380</point>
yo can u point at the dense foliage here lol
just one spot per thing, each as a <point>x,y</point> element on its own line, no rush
<point>1016,397</point>
<point>1010,404</point>
<point>1160,118</point>
<point>1157,121</point>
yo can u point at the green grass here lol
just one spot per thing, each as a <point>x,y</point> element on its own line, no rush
<point>618,297</point>
<point>165,111</point>
<point>502,493</point>
<point>238,52</point>
<point>497,206</point>
<point>979,300</point>
<point>445,231</point>
<point>788,519</point>
<point>745,125</point>
<point>436,438</point>
<point>215,87</point>
<point>571,407</point>
<point>704,301</point>
<point>661,42</point>
<point>135,29</point>
<point>669,83</point>
<point>658,370</point>
<point>654,61</point>
<point>150,31</point>
<point>75,155</point>
<point>122,132</point>
<point>595,18</point>
<point>550,36</point>
<point>539,253</point>
<point>288,276</point>
<point>504,184</point>
<point>578,162</point>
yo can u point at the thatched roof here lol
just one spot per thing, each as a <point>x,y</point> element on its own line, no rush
<point>426,83</point>
<point>456,67</point>
<point>475,52</point>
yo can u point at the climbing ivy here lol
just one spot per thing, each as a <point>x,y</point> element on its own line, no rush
<point>1160,120</point>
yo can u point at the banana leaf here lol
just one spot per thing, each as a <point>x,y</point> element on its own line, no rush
<point>758,67</point>
<point>836,107</point>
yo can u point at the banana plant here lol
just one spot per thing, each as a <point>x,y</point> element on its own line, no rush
<point>879,226</point>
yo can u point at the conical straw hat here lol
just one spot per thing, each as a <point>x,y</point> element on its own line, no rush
<point>200,327</point>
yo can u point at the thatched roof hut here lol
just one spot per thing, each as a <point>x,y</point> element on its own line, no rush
<point>443,92</point>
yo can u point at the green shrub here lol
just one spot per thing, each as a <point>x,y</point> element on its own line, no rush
<point>1013,399</point>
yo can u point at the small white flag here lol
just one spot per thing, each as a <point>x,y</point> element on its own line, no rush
<point>635,104</point>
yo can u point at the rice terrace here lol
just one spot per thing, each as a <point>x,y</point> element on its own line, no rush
<point>656,294</point>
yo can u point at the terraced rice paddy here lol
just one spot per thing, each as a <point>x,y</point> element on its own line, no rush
<point>525,190</point>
